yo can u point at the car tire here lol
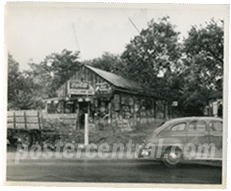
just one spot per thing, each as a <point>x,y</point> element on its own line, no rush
<point>172,158</point>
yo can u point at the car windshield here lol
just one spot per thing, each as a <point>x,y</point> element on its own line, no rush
<point>162,126</point>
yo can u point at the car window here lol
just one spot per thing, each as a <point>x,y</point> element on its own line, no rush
<point>179,127</point>
<point>215,125</point>
<point>163,126</point>
<point>197,126</point>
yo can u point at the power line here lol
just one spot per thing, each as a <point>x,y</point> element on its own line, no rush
<point>133,24</point>
<point>76,39</point>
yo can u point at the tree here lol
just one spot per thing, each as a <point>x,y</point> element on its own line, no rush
<point>108,62</point>
<point>53,71</point>
<point>63,66</point>
<point>27,89</point>
<point>194,94</point>
<point>20,90</point>
<point>191,70</point>
<point>203,60</point>
<point>156,49</point>
<point>13,77</point>
<point>204,50</point>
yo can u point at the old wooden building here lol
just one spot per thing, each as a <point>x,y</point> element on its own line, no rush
<point>110,100</point>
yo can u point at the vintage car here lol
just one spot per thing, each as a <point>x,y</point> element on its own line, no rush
<point>185,139</point>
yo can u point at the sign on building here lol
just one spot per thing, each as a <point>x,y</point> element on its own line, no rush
<point>79,88</point>
<point>103,88</point>
<point>175,103</point>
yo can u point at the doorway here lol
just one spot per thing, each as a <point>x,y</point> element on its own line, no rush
<point>83,108</point>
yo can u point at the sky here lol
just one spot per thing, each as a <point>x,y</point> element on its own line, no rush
<point>35,30</point>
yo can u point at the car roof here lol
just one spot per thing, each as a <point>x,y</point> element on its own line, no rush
<point>194,118</point>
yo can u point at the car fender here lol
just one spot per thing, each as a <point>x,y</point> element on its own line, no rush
<point>162,144</point>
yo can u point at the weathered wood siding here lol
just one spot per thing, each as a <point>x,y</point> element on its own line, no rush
<point>83,74</point>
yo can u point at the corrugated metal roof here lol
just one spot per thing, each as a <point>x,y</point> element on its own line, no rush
<point>119,81</point>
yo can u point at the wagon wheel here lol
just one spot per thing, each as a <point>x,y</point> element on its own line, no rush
<point>26,139</point>
<point>79,138</point>
<point>12,141</point>
<point>92,138</point>
<point>101,141</point>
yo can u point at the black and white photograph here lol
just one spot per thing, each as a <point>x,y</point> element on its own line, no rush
<point>116,94</point>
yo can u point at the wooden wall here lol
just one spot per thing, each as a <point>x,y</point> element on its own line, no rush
<point>83,74</point>
<point>133,109</point>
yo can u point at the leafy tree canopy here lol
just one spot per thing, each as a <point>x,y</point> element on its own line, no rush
<point>204,49</point>
<point>20,89</point>
<point>53,71</point>
<point>190,70</point>
<point>108,62</point>
<point>156,49</point>
<point>203,61</point>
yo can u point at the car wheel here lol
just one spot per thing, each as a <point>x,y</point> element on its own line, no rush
<point>172,158</point>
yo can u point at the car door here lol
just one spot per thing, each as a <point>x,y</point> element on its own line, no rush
<point>197,138</point>
<point>215,137</point>
<point>174,134</point>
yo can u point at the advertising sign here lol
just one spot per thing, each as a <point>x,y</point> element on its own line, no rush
<point>175,103</point>
<point>78,85</point>
<point>79,88</point>
<point>103,88</point>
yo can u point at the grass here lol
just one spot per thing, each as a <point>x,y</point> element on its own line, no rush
<point>137,133</point>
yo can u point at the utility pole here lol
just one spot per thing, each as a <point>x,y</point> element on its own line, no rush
<point>133,24</point>
<point>76,39</point>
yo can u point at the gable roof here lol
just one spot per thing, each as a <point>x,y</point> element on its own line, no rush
<point>121,82</point>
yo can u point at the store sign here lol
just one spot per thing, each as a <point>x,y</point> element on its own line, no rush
<point>102,88</point>
<point>78,85</point>
<point>175,103</point>
<point>80,88</point>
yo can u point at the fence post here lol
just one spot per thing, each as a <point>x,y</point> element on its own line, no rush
<point>25,120</point>
<point>155,110</point>
<point>77,120</point>
<point>39,124</point>
<point>42,119</point>
<point>134,111</point>
<point>14,120</point>
<point>86,130</point>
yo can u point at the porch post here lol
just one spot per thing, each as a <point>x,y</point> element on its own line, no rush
<point>86,141</point>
